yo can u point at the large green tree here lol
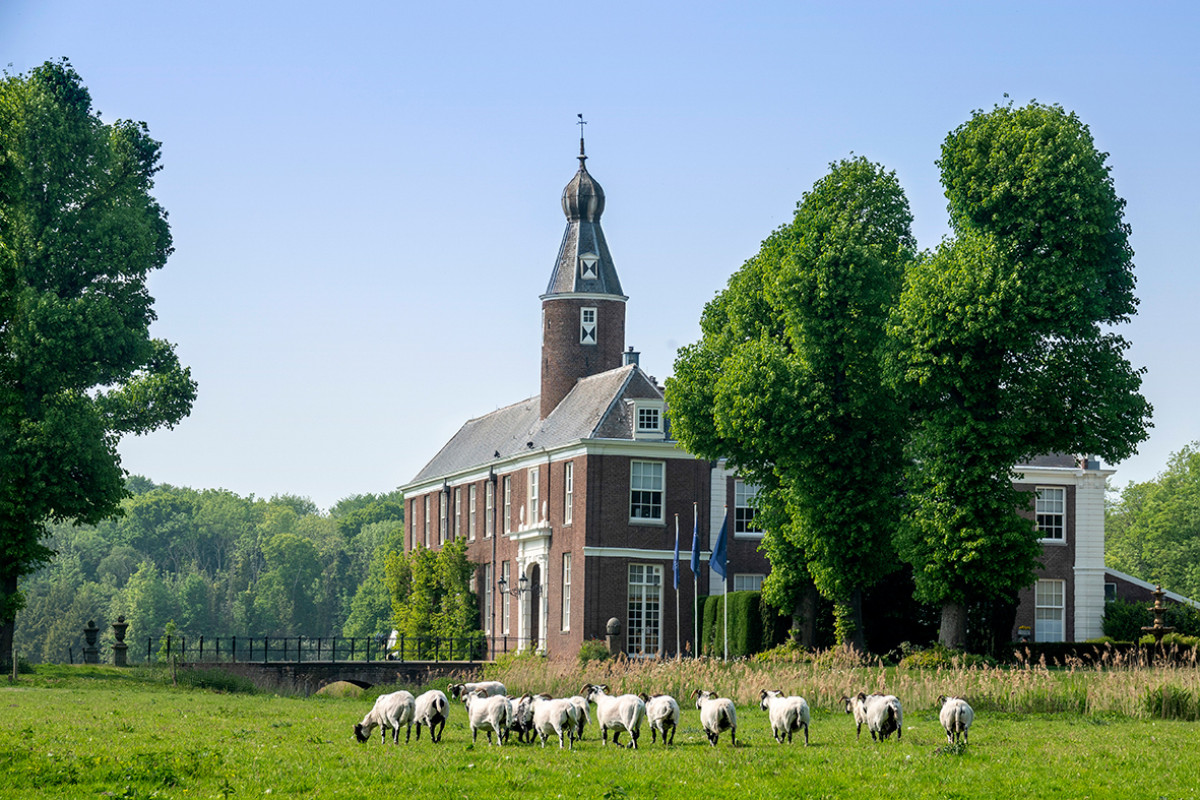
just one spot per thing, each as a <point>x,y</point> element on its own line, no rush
<point>79,234</point>
<point>787,384</point>
<point>1007,347</point>
<point>1152,531</point>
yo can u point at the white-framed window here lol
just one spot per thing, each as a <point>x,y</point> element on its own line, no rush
<point>1051,509</point>
<point>743,508</point>
<point>748,582</point>
<point>457,512</point>
<point>508,504</point>
<point>504,598</point>
<point>646,491</point>
<point>1050,605</point>
<point>566,592</point>
<point>427,518</point>
<point>413,516</point>
<point>649,419</point>
<point>443,523</point>
<point>587,326</point>
<point>534,479</point>
<point>645,610</point>
<point>568,492</point>
<point>488,588</point>
<point>1110,592</point>
<point>472,504</point>
<point>489,509</point>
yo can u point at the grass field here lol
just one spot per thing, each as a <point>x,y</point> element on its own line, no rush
<point>100,732</point>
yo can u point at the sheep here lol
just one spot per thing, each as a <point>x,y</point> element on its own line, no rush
<point>489,712</point>
<point>520,717</point>
<point>662,712</point>
<point>432,708</point>
<point>554,716</point>
<point>881,713</point>
<point>461,691</point>
<point>582,717</point>
<point>857,706</point>
<point>716,714</point>
<point>390,711</point>
<point>787,714</point>
<point>625,712</point>
<point>956,717</point>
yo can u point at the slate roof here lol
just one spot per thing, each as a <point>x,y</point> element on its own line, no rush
<point>592,410</point>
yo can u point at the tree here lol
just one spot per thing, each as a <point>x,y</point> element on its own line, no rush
<point>1152,531</point>
<point>1006,350</point>
<point>430,591</point>
<point>79,234</point>
<point>787,384</point>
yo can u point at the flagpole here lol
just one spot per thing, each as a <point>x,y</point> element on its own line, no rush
<point>678,651</point>
<point>695,583</point>
<point>725,589</point>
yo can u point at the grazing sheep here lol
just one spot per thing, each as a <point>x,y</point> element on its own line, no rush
<point>787,714</point>
<point>460,691</point>
<point>626,712</point>
<point>554,716</point>
<point>488,712</point>
<point>716,714</point>
<point>432,709</point>
<point>389,712</point>
<point>662,712</point>
<point>956,717</point>
<point>582,717</point>
<point>881,713</point>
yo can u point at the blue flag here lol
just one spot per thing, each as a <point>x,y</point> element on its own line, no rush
<point>675,563</point>
<point>695,543</point>
<point>719,554</point>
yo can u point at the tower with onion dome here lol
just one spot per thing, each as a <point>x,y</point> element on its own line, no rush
<point>583,309</point>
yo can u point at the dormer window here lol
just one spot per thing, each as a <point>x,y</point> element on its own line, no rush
<point>588,266</point>
<point>587,326</point>
<point>648,419</point>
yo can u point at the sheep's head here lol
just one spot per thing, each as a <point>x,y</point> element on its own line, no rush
<point>362,735</point>
<point>592,690</point>
<point>456,690</point>
<point>701,696</point>
<point>765,698</point>
<point>848,703</point>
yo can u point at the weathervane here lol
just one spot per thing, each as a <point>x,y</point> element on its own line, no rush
<point>581,123</point>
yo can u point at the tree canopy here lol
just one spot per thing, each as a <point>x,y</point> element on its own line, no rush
<point>1152,530</point>
<point>1006,349</point>
<point>80,233</point>
<point>787,384</point>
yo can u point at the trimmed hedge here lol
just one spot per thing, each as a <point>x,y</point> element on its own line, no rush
<point>754,626</point>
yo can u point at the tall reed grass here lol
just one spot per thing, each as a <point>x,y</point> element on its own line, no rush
<point>1135,686</point>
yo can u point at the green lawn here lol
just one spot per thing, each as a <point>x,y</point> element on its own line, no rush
<point>88,732</point>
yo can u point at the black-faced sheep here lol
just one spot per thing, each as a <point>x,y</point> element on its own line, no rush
<point>787,714</point>
<point>431,709</point>
<point>626,712</point>
<point>662,713</point>
<point>389,713</point>
<point>956,717</point>
<point>716,714</point>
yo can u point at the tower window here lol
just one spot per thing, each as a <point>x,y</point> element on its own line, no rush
<point>587,265</point>
<point>587,326</point>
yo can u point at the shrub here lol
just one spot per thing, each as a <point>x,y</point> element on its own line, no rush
<point>939,656</point>
<point>1171,702</point>
<point>215,680</point>
<point>593,650</point>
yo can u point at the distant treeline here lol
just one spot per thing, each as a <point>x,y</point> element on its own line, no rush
<point>216,564</point>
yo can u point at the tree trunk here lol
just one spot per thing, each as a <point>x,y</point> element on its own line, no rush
<point>806,616</point>
<point>953,633</point>
<point>849,622</point>
<point>8,627</point>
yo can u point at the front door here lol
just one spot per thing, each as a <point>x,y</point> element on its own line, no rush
<point>535,605</point>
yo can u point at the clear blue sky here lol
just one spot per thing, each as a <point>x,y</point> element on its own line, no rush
<point>365,195</point>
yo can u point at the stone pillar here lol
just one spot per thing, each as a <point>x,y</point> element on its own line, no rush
<point>91,653</point>
<point>120,655</point>
<point>613,637</point>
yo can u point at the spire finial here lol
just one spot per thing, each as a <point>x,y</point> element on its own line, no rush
<point>581,123</point>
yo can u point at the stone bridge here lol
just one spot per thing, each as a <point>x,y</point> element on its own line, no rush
<point>306,677</point>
